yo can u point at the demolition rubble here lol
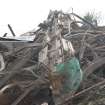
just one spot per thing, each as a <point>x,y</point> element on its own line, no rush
<point>60,63</point>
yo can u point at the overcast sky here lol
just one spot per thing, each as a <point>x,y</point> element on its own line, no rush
<point>25,15</point>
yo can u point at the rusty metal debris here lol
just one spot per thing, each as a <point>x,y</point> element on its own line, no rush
<point>27,62</point>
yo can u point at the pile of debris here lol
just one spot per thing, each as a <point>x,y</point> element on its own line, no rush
<point>27,66</point>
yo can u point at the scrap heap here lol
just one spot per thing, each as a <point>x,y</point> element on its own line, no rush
<point>27,65</point>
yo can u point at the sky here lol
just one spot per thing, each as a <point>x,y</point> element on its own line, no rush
<point>25,15</point>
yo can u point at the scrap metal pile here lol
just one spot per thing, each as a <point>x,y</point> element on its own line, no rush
<point>26,66</point>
